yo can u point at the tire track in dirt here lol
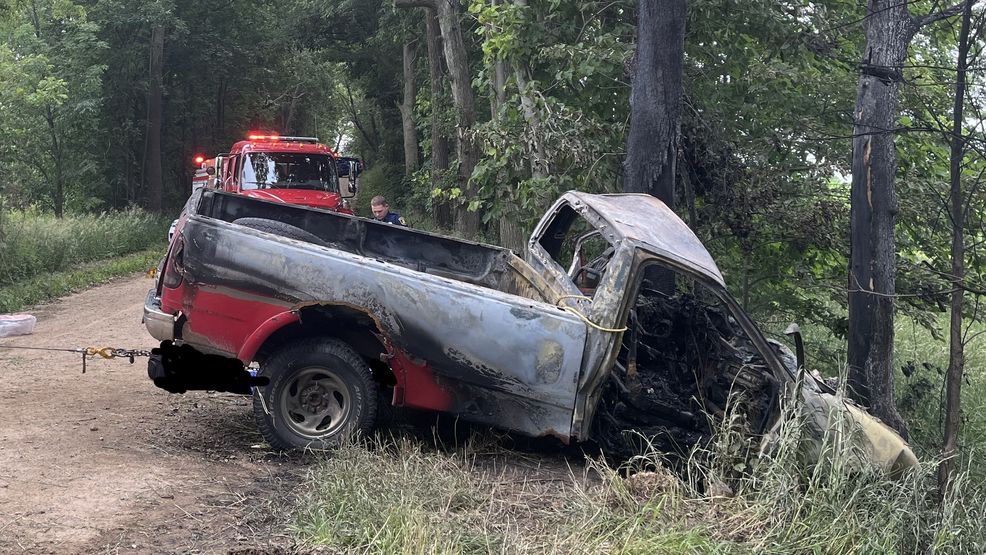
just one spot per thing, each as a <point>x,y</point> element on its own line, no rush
<point>106,463</point>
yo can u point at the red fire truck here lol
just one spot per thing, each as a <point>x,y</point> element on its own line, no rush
<point>293,170</point>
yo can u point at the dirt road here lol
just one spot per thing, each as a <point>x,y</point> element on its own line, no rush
<point>107,463</point>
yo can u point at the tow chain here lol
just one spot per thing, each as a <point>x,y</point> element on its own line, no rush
<point>86,352</point>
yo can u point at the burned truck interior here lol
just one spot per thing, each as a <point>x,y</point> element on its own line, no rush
<point>684,363</point>
<point>684,367</point>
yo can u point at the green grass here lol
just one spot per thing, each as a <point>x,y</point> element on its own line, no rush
<point>46,287</point>
<point>33,244</point>
<point>399,496</point>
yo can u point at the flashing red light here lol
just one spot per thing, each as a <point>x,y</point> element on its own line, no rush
<point>199,159</point>
<point>258,137</point>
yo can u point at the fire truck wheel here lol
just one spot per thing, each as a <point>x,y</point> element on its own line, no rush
<point>280,228</point>
<point>321,393</point>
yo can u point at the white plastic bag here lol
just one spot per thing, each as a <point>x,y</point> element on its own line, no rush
<point>16,324</point>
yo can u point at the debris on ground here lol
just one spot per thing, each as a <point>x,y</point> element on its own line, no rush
<point>17,324</point>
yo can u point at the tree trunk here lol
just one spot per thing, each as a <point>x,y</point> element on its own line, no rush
<point>655,99</point>
<point>58,195</point>
<point>288,126</point>
<point>368,136</point>
<point>512,233</point>
<point>407,112</point>
<point>538,156</point>
<point>220,130</point>
<point>439,142</point>
<point>155,184</point>
<point>466,223</point>
<point>956,350</point>
<point>499,82</point>
<point>872,272</point>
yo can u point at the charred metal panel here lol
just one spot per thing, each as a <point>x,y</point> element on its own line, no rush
<point>417,250</point>
<point>497,354</point>
<point>640,219</point>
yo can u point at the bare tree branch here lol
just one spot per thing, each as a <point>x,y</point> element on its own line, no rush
<point>414,4</point>
<point>946,13</point>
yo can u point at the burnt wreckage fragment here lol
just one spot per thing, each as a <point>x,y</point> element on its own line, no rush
<point>684,365</point>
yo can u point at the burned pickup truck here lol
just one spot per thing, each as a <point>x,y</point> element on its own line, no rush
<point>617,320</point>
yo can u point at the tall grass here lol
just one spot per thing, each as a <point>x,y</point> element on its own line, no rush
<point>33,244</point>
<point>399,496</point>
<point>921,361</point>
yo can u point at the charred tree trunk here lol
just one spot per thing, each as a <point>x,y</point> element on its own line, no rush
<point>655,99</point>
<point>466,223</point>
<point>439,142</point>
<point>155,184</point>
<point>406,108</point>
<point>872,272</point>
<point>956,349</point>
<point>655,109</point>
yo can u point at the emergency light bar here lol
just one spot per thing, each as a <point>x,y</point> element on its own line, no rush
<point>312,140</point>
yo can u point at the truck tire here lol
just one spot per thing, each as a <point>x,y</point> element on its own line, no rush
<point>321,393</point>
<point>280,228</point>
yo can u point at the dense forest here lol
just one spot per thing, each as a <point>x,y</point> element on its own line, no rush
<point>472,117</point>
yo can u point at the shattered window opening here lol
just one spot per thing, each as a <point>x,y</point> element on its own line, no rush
<point>578,248</point>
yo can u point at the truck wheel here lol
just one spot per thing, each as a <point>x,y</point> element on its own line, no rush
<point>320,394</point>
<point>280,228</point>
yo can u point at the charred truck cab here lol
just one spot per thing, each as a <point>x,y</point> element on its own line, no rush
<point>616,325</point>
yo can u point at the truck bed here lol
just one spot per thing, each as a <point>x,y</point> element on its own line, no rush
<point>478,264</point>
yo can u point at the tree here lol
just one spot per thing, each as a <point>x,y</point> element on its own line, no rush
<point>956,354</point>
<point>54,54</point>
<point>439,140</point>
<point>655,99</point>
<point>153,138</point>
<point>889,28</point>
<point>467,221</point>
<point>407,111</point>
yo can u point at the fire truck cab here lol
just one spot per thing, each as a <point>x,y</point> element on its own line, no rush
<point>292,170</point>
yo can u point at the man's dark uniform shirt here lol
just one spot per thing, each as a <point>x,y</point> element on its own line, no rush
<point>394,218</point>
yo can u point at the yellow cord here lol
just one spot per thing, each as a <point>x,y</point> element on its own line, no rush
<point>580,297</point>
<point>583,316</point>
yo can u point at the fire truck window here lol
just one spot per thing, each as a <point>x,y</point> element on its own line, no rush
<point>289,170</point>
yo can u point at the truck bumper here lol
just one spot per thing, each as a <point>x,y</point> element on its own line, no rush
<point>159,324</point>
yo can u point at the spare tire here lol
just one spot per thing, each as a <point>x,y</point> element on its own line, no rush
<point>280,228</point>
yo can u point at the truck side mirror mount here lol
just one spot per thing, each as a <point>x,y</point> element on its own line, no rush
<point>794,331</point>
<point>354,172</point>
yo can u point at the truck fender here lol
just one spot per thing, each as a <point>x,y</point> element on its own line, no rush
<point>263,332</point>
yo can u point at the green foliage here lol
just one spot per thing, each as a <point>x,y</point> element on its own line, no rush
<point>35,244</point>
<point>50,73</point>
<point>43,288</point>
<point>380,179</point>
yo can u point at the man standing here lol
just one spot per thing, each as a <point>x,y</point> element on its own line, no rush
<point>381,211</point>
